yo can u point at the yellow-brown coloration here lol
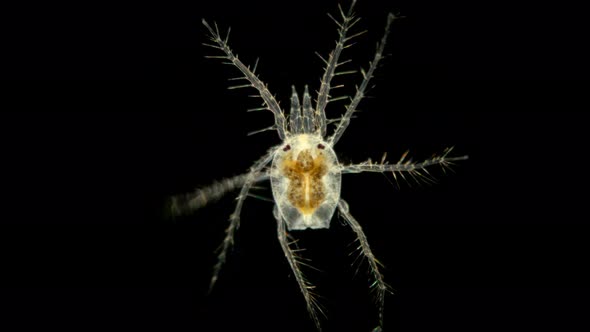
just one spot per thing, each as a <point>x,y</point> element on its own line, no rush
<point>306,189</point>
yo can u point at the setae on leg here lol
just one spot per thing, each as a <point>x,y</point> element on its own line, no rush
<point>377,284</point>
<point>295,262</point>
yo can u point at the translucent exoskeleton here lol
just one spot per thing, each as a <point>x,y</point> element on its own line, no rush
<point>303,170</point>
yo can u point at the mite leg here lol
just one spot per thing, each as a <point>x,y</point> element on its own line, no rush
<point>418,171</point>
<point>360,90</point>
<point>270,102</point>
<point>377,283</point>
<point>187,203</point>
<point>332,63</point>
<point>295,262</point>
<point>228,241</point>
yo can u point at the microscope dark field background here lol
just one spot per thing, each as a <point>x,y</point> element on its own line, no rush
<point>109,109</point>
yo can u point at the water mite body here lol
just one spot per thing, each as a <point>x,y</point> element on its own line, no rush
<point>303,169</point>
<point>305,182</point>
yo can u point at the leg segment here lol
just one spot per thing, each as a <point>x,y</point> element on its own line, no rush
<point>295,262</point>
<point>255,173</point>
<point>360,90</point>
<point>331,64</point>
<point>379,286</point>
<point>270,102</point>
<point>377,283</point>
<point>187,203</point>
<point>417,171</point>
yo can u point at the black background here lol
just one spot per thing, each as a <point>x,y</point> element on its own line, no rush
<point>112,108</point>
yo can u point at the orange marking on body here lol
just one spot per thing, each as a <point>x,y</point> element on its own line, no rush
<point>306,189</point>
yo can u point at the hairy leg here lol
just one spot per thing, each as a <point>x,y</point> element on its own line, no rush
<point>346,21</point>
<point>255,172</point>
<point>187,203</point>
<point>377,282</point>
<point>270,102</point>
<point>295,262</point>
<point>360,90</point>
<point>418,171</point>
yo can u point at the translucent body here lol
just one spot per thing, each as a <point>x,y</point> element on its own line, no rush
<point>304,171</point>
<point>305,180</point>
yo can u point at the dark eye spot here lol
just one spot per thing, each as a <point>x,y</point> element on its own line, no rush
<point>320,146</point>
<point>287,147</point>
